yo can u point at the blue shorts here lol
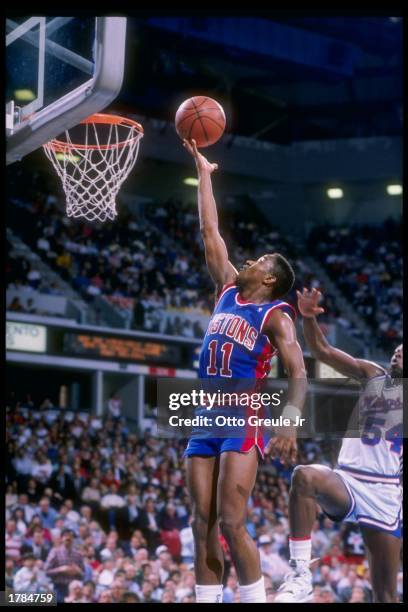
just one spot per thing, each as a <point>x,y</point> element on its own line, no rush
<point>211,447</point>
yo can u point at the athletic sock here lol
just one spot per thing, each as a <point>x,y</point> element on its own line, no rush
<point>253,593</point>
<point>208,593</point>
<point>300,549</point>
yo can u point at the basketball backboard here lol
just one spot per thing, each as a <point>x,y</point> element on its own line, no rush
<point>60,70</point>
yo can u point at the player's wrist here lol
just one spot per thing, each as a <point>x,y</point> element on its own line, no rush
<point>291,412</point>
<point>310,316</point>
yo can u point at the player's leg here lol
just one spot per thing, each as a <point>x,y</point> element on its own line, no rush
<point>202,476</point>
<point>383,553</point>
<point>235,483</point>
<point>311,485</point>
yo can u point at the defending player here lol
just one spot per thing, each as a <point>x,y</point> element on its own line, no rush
<point>249,323</point>
<point>365,487</point>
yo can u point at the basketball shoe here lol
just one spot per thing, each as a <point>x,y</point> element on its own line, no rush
<point>297,585</point>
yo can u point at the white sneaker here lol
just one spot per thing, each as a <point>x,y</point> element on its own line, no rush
<point>297,585</point>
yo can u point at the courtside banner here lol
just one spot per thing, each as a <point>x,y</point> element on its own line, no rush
<point>323,408</point>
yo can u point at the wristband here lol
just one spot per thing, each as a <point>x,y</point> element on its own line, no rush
<point>291,412</point>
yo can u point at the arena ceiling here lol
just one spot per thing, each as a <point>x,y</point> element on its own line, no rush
<point>281,79</point>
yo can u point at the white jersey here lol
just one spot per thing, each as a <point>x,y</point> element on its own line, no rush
<point>375,454</point>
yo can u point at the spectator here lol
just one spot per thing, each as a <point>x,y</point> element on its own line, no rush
<point>130,597</point>
<point>34,277</point>
<point>10,572</point>
<point>18,515</point>
<point>62,484</point>
<point>117,590</point>
<point>89,591</point>
<point>272,564</point>
<point>14,540</point>
<point>149,524</point>
<point>357,595</point>
<point>187,544</point>
<point>323,594</point>
<point>346,585</point>
<point>111,504</point>
<point>129,517</point>
<point>105,597</point>
<point>15,305</point>
<point>41,468</point>
<point>147,591</point>
<point>38,545</point>
<point>30,307</point>
<point>22,463</point>
<point>63,564</point>
<point>106,575</point>
<point>30,579</point>
<point>114,407</point>
<point>46,513</point>
<point>75,593</point>
<point>91,494</point>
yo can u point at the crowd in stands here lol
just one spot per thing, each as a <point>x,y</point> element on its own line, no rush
<point>23,274</point>
<point>154,262</point>
<point>100,513</point>
<point>366,263</point>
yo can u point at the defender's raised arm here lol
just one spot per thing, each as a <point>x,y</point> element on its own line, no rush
<point>220,268</point>
<point>320,347</point>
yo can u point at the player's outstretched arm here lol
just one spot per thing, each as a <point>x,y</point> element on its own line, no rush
<point>220,268</point>
<point>321,349</point>
<point>281,331</point>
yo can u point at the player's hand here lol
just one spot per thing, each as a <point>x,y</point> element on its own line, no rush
<point>283,445</point>
<point>308,303</point>
<point>202,163</point>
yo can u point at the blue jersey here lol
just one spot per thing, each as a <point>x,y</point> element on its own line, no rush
<point>235,345</point>
<point>235,348</point>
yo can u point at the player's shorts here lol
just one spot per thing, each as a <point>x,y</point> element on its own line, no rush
<point>211,447</point>
<point>216,439</point>
<point>373,504</point>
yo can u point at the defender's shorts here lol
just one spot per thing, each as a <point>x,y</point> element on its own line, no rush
<point>373,504</point>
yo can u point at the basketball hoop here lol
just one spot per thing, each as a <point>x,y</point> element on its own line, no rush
<point>93,171</point>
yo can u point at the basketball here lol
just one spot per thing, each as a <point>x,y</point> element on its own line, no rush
<point>201,118</point>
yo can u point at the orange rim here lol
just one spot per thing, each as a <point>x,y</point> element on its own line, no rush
<point>59,146</point>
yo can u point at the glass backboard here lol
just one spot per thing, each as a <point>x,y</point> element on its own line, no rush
<point>59,71</point>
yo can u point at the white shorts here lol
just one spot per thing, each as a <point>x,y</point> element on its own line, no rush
<point>376,505</point>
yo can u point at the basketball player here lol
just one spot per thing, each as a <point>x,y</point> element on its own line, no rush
<point>365,487</point>
<point>249,323</point>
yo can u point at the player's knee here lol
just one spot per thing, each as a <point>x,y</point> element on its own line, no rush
<point>230,527</point>
<point>199,525</point>
<point>303,480</point>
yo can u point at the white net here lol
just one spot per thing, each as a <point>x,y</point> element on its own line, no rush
<point>93,171</point>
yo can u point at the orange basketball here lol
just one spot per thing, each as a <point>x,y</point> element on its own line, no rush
<point>201,118</point>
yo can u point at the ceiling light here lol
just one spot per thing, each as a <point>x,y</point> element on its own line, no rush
<point>24,95</point>
<point>335,193</point>
<point>69,157</point>
<point>192,181</point>
<point>394,189</point>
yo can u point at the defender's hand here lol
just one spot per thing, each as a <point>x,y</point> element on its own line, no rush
<point>284,445</point>
<point>308,303</point>
<point>202,163</point>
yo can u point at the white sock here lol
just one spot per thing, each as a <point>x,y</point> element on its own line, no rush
<point>208,593</point>
<point>253,593</point>
<point>300,549</point>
